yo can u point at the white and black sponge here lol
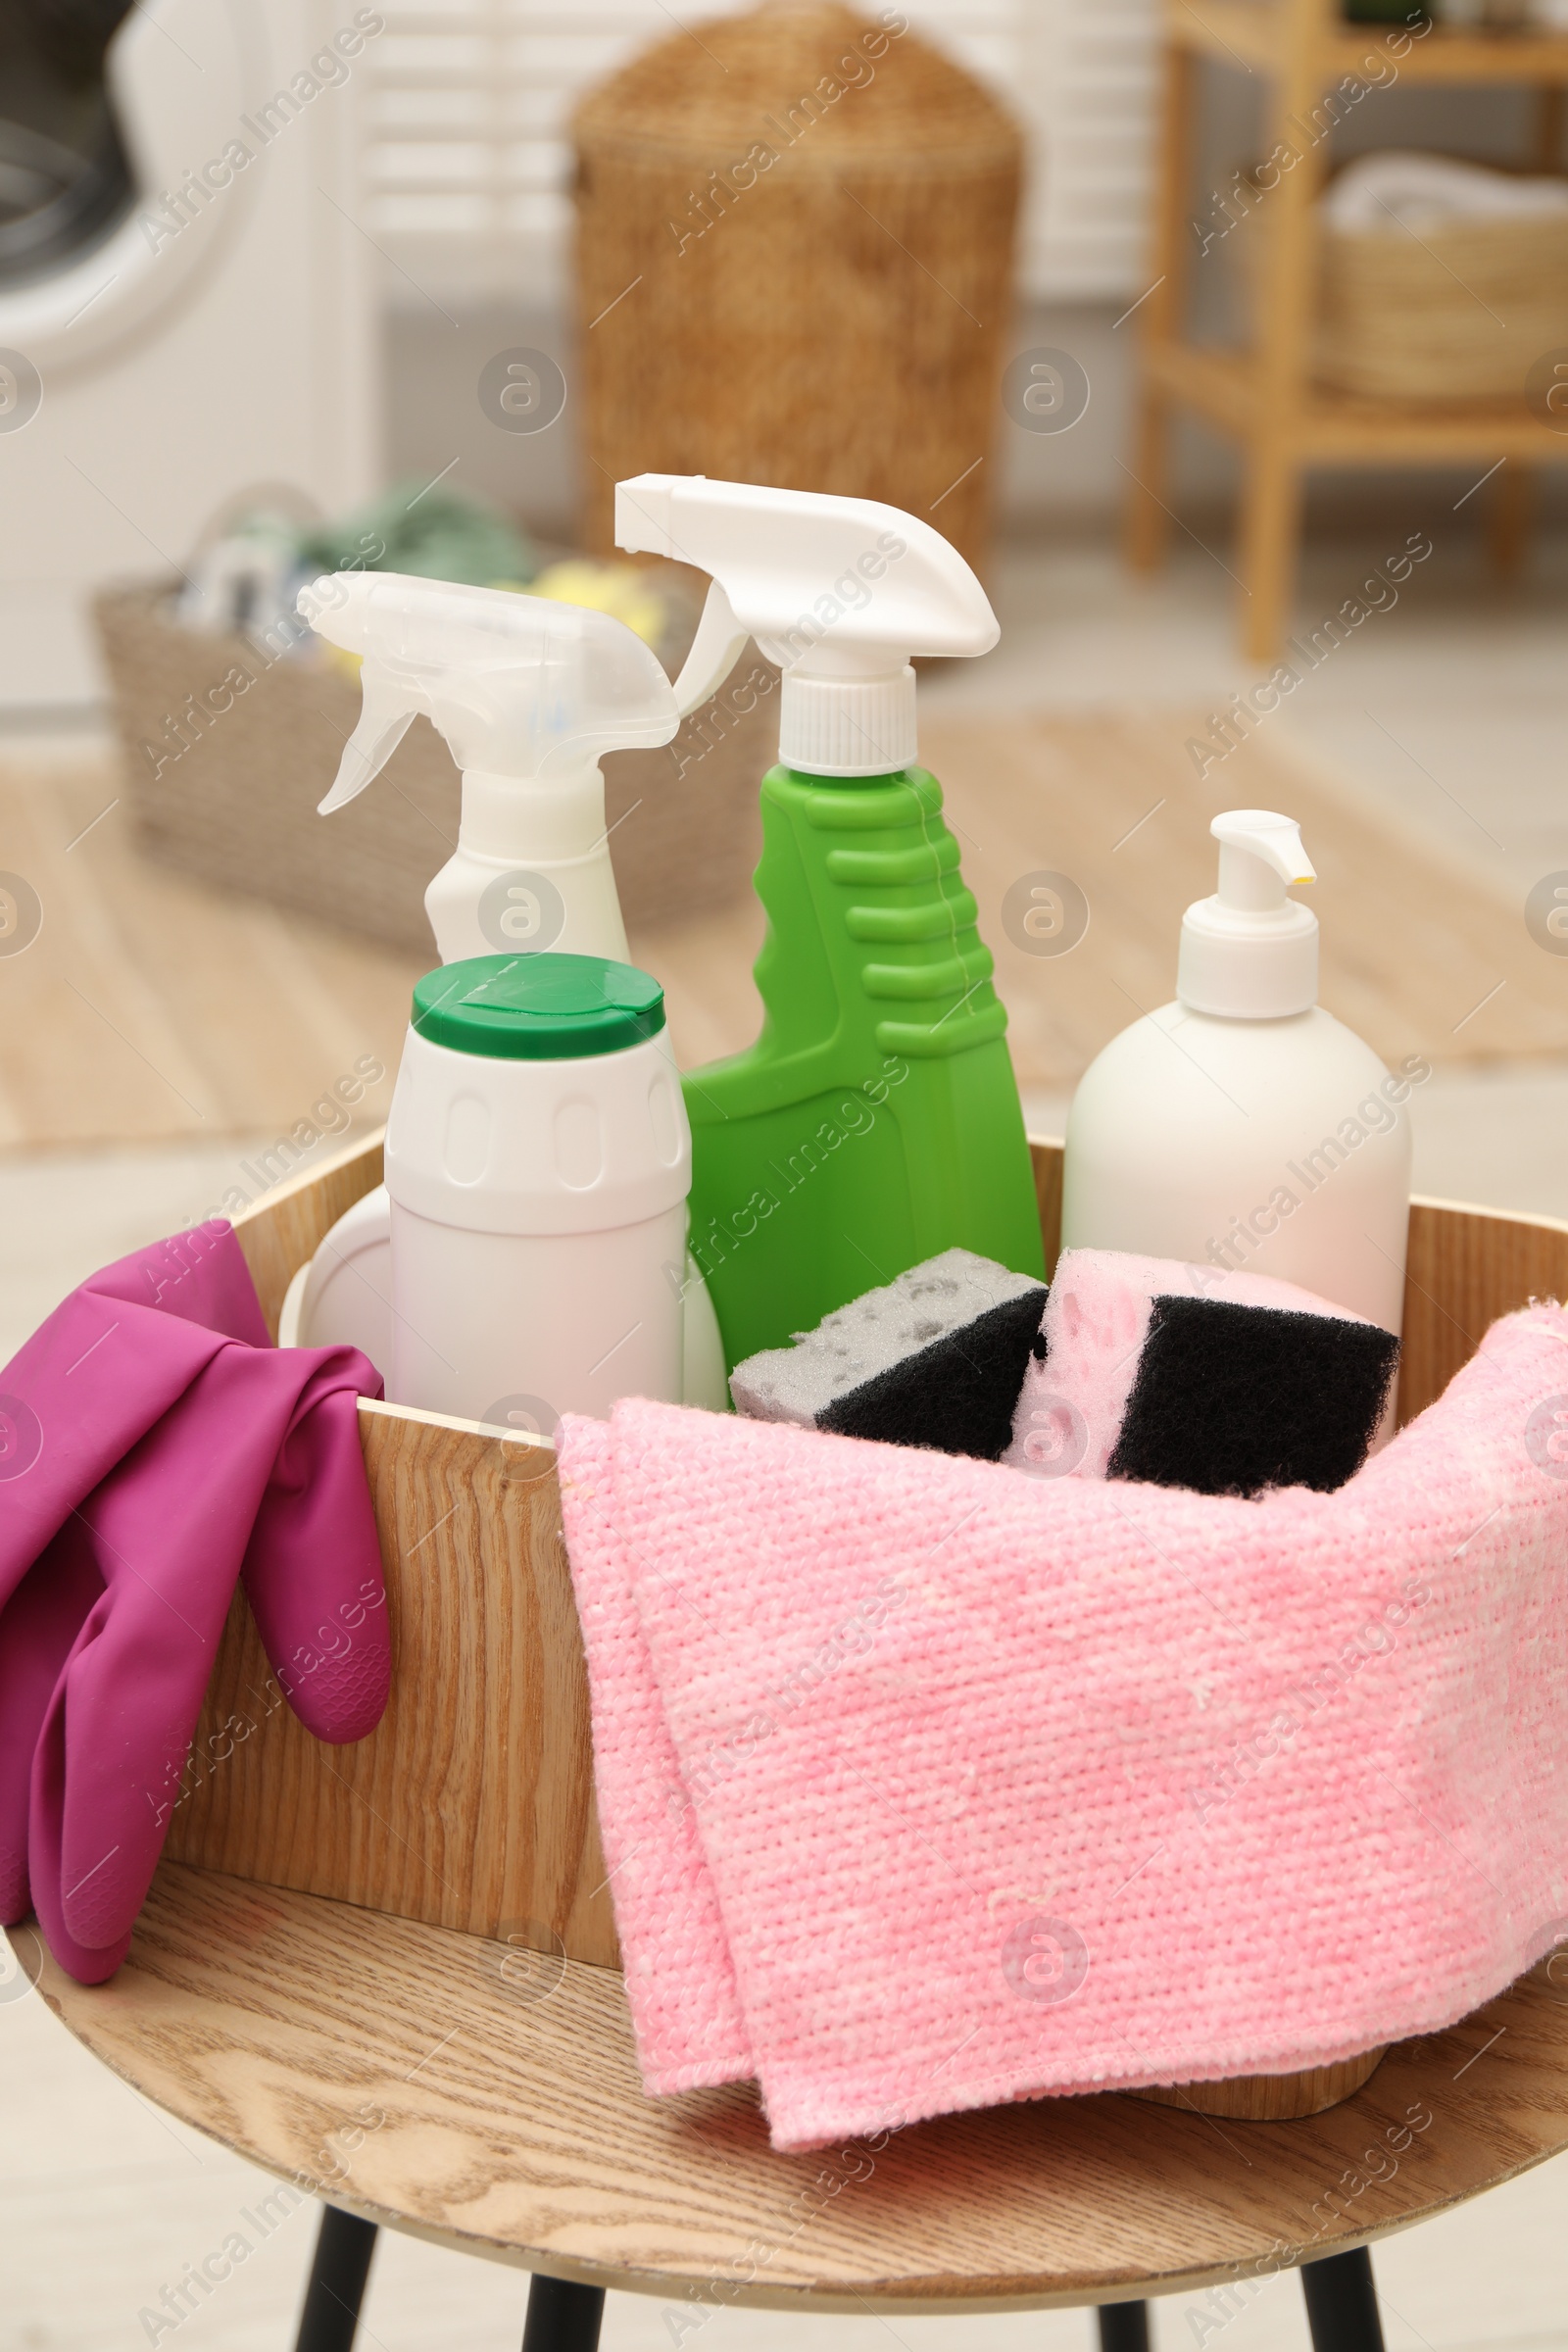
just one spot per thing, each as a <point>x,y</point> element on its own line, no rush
<point>937,1358</point>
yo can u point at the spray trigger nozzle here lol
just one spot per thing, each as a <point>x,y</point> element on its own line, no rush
<point>718,646</point>
<point>385,717</point>
<point>842,593</point>
<point>524,689</point>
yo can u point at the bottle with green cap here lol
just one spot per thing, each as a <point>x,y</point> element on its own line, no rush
<point>538,1160</point>
<point>528,693</point>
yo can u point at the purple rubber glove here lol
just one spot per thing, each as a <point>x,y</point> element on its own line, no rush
<point>155,1447</point>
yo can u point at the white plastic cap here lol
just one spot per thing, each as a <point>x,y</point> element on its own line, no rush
<point>520,686</point>
<point>840,592</point>
<point>1249,953</point>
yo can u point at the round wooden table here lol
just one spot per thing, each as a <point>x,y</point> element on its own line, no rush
<point>488,2099</point>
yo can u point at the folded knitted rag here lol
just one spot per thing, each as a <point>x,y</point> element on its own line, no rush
<point>155,1447</point>
<point>925,1785</point>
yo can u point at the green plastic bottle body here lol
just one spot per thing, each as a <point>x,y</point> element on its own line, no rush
<point>876,1119</point>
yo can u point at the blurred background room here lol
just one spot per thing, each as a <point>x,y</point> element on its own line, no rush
<point>1228,339</point>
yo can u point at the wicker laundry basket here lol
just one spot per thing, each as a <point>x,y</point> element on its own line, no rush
<point>237,807</point>
<point>779,284</point>
<point>1460,312</point>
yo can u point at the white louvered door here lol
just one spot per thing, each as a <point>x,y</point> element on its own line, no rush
<point>467,166</point>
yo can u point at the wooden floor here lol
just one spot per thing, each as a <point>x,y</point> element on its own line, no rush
<point>1410,946</point>
<point>149,1008</point>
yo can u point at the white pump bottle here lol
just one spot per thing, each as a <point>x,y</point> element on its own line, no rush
<point>528,693</point>
<point>1243,1126</point>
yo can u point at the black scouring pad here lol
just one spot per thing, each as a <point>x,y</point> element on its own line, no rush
<point>1230,1399</point>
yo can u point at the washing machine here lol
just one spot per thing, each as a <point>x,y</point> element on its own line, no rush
<point>187,298</point>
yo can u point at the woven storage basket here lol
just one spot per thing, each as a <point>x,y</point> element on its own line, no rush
<point>1459,314</point>
<point>1456,313</point>
<point>237,808</point>
<point>831,320</point>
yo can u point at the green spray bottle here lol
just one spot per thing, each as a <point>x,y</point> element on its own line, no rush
<point>876,1120</point>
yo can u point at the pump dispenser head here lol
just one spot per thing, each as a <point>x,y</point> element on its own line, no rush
<point>1249,953</point>
<point>840,592</point>
<point>520,687</point>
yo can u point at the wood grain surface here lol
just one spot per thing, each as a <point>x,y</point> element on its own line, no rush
<point>470,1805</point>
<point>1465,1268</point>
<point>513,2127</point>
<point>151,1007</point>
<point>286,1230</point>
<point>1271,2098</point>
<point>1046,1154</point>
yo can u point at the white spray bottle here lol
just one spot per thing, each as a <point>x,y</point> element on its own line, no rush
<point>1243,1126</point>
<point>528,693</point>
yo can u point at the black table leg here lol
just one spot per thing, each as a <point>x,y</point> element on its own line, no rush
<point>563,2317</point>
<point>1123,2326</point>
<point>335,2288</point>
<point>1341,2303</point>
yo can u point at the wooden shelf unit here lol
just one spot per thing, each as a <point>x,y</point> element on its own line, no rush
<point>1265,397</point>
<point>1257,32</point>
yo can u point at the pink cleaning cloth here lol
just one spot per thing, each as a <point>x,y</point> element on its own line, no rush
<point>1074,1399</point>
<point>925,1785</point>
<point>154,1447</point>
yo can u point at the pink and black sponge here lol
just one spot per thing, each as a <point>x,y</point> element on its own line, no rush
<point>1182,1376</point>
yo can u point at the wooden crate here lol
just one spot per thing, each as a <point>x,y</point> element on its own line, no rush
<point>472,1805</point>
